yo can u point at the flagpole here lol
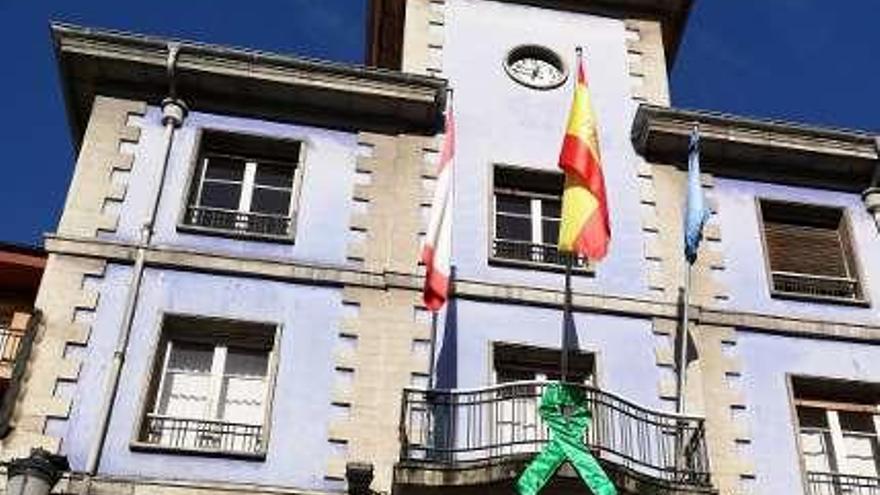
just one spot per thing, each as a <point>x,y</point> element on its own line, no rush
<point>566,317</point>
<point>681,361</point>
<point>566,306</point>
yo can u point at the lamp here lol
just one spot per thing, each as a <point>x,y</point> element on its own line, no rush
<point>35,474</point>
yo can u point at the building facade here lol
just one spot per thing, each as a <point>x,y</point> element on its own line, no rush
<point>232,297</point>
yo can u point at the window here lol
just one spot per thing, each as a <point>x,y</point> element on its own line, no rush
<point>809,252</point>
<point>517,362</point>
<point>518,426</point>
<point>245,186</point>
<point>527,205</point>
<point>210,389</point>
<point>838,424</point>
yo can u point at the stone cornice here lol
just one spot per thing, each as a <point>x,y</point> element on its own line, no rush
<point>477,290</point>
<point>239,81</point>
<point>766,150</point>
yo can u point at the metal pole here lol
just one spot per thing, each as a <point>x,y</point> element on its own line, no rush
<point>433,352</point>
<point>566,317</point>
<point>681,361</point>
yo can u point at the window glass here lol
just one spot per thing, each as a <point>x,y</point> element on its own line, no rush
<point>225,168</point>
<point>187,382</point>
<point>513,228</point>
<point>507,203</point>
<point>244,387</point>
<point>551,208</point>
<point>816,446</point>
<point>550,231</point>
<point>221,195</point>
<point>271,201</point>
<point>274,175</point>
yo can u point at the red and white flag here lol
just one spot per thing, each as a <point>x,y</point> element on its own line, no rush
<point>437,251</point>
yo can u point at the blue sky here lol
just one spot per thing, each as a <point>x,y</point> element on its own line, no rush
<point>807,60</point>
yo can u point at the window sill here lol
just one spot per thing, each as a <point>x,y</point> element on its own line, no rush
<point>244,236</point>
<point>795,296</point>
<point>539,266</point>
<point>160,449</point>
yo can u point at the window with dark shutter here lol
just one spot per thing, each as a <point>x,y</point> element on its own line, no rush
<point>809,252</point>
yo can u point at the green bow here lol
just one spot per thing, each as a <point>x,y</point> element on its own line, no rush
<point>567,433</point>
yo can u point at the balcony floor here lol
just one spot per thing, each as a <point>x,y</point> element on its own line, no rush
<point>499,476</point>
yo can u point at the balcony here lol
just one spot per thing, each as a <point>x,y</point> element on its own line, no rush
<point>806,286</point>
<point>841,484</point>
<point>480,438</point>
<point>528,254</point>
<point>16,339</point>
<point>202,436</point>
<point>234,223</point>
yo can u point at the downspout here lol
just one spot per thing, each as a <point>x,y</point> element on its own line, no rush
<point>173,113</point>
<point>871,195</point>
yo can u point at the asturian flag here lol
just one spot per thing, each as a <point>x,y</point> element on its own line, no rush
<point>585,228</point>
<point>437,250</point>
<point>696,213</point>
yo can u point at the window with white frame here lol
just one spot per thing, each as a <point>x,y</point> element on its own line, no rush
<point>526,206</point>
<point>244,185</point>
<point>210,388</point>
<point>838,425</point>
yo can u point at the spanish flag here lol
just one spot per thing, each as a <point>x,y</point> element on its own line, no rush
<point>584,228</point>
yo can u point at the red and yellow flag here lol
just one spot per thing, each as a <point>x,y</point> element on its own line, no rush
<point>584,228</point>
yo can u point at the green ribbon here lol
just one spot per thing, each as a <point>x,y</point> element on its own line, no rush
<point>567,434</point>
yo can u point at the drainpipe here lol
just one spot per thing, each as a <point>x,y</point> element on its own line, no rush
<point>871,195</point>
<point>173,113</point>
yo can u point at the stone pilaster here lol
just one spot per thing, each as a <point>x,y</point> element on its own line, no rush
<point>381,338</point>
<point>68,298</point>
<point>100,179</point>
<point>647,62</point>
<point>424,37</point>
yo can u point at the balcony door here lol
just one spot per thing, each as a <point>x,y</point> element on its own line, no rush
<point>518,427</point>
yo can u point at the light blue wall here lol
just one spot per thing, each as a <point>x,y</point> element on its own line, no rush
<point>624,346</point>
<point>297,455</point>
<point>499,121</point>
<point>322,222</point>
<point>767,359</point>
<point>745,275</point>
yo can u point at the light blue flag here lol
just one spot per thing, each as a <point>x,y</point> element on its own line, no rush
<point>696,212</point>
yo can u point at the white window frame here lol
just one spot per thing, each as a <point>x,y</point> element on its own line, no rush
<point>838,444</point>
<point>153,383</point>
<point>218,366</point>
<point>536,213</point>
<point>248,184</point>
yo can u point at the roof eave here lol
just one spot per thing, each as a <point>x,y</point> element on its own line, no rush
<point>240,81</point>
<point>754,149</point>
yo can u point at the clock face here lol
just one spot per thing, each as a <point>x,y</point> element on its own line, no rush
<point>535,66</point>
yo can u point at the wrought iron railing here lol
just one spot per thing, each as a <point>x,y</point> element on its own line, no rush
<point>529,252</point>
<point>462,427</point>
<point>201,434</point>
<point>841,484</point>
<point>817,285</point>
<point>237,222</point>
<point>10,343</point>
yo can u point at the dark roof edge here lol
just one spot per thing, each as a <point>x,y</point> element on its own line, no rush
<point>390,99</point>
<point>746,147</point>
<point>25,249</point>
<point>60,30</point>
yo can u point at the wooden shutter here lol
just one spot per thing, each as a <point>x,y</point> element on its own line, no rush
<point>805,249</point>
<point>808,251</point>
